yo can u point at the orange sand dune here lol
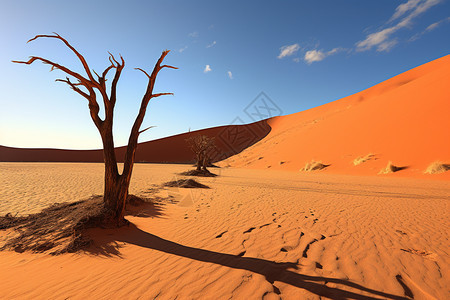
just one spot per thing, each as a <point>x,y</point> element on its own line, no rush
<point>229,140</point>
<point>404,120</point>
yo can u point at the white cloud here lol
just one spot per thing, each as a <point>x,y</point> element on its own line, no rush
<point>430,27</point>
<point>382,39</point>
<point>193,34</point>
<point>375,39</point>
<point>207,69</point>
<point>288,50</point>
<point>404,7</point>
<point>230,75</point>
<point>296,59</point>
<point>386,46</point>
<point>318,55</point>
<point>314,55</point>
<point>334,50</point>
<point>182,49</point>
<point>437,24</point>
<point>210,45</point>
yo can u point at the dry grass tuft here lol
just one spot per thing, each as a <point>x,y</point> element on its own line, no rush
<point>313,166</point>
<point>362,159</point>
<point>59,228</point>
<point>390,168</point>
<point>185,183</point>
<point>437,167</point>
<point>199,173</point>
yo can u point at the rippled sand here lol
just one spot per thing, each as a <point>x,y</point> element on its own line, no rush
<point>348,236</point>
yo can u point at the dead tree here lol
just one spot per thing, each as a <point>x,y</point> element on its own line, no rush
<point>201,145</point>
<point>116,185</point>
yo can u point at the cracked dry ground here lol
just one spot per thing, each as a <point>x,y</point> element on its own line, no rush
<point>260,235</point>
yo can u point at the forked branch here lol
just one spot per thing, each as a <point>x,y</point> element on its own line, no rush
<point>54,65</point>
<point>91,97</point>
<point>135,130</point>
<point>74,87</point>
<point>80,57</point>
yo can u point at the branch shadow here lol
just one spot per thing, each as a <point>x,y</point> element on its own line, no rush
<point>145,207</point>
<point>272,271</point>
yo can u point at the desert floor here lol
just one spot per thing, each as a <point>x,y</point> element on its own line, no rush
<point>255,234</point>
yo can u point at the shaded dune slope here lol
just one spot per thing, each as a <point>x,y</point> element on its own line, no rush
<point>229,141</point>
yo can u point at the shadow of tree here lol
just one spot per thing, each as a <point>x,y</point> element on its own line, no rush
<point>272,271</point>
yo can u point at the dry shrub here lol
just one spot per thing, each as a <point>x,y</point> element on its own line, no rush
<point>199,173</point>
<point>313,166</point>
<point>390,168</point>
<point>57,229</point>
<point>362,159</point>
<point>437,167</point>
<point>185,183</point>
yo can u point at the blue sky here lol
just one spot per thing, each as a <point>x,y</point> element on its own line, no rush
<point>301,54</point>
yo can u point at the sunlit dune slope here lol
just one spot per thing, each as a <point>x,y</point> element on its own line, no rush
<point>404,119</point>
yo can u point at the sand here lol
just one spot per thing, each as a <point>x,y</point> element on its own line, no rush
<point>356,237</point>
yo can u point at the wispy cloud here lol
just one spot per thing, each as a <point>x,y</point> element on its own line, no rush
<point>207,69</point>
<point>430,28</point>
<point>382,39</point>
<point>288,50</point>
<point>182,49</point>
<point>211,45</point>
<point>404,8</point>
<point>313,55</point>
<point>230,75</point>
<point>318,55</point>
<point>387,45</point>
<point>193,34</point>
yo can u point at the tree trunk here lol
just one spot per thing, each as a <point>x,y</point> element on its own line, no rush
<point>115,197</point>
<point>199,162</point>
<point>116,186</point>
<point>205,163</point>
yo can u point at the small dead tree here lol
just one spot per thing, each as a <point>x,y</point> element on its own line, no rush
<point>116,185</point>
<point>201,145</point>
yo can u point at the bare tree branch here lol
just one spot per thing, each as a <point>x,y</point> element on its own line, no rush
<point>93,105</point>
<point>161,94</point>
<point>80,57</point>
<point>113,58</point>
<point>98,76</point>
<point>54,65</point>
<point>143,72</point>
<point>167,66</point>
<point>106,71</point>
<point>74,87</point>
<point>134,134</point>
<point>119,67</point>
<point>146,129</point>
